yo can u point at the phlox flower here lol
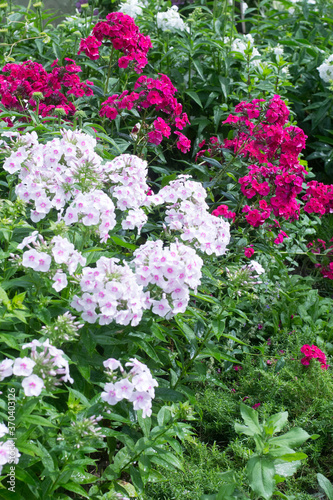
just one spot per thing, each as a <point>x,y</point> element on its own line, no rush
<point>32,385</point>
<point>23,366</point>
<point>109,394</point>
<point>6,368</point>
<point>3,430</point>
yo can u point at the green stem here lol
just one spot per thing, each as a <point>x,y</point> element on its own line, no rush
<point>191,361</point>
<point>109,72</point>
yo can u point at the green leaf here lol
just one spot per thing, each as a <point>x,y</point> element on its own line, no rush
<point>118,241</point>
<point>276,423</point>
<point>195,97</point>
<point>326,485</point>
<point>169,395</point>
<point>145,423</point>
<point>163,416</point>
<point>293,457</point>
<point>76,488</point>
<point>260,472</point>
<point>136,479</point>
<point>37,420</point>
<point>168,460</point>
<point>47,460</point>
<point>250,417</point>
<point>286,469</point>
<point>295,437</point>
<point>187,331</point>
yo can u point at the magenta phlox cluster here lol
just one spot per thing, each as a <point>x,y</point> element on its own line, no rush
<point>20,81</point>
<point>136,385</point>
<point>121,31</point>
<point>153,94</point>
<point>272,148</point>
<point>313,352</point>
<point>168,274</point>
<point>45,368</point>
<point>110,292</point>
<point>318,198</point>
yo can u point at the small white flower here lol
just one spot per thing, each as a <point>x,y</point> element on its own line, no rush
<point>23,366</point>
<point>32,385</point>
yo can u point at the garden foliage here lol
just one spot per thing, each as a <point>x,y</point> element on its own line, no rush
<point>166,250</point>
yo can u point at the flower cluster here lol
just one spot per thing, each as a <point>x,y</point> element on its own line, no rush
<point>137,386</point>
<point>244,46</point>
<point>82,431</point>
<point>128,175</point>
<point>94,209</point>
<point>188,213</point>
<point>40,370</point>
<point>157,93</point>
<point>132,8</point>
<point>326,69</point>
<point>121,31</point>
<point>65,257</point>
<point>170,20</point>
<point>318,197</point>
<point>64,329</point>
<point>50,173</point>
<point>19,84</point>
<point>110,292</point>
<point>9,454</point>
<point>67,171</point>
<point>276,177</point>
<point>245,277</point>
<point>225,212</point>
<point>168,273</point>
<point>313,352</point>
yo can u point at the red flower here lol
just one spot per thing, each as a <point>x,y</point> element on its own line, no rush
<point>90,46</point>
<point>183,143</point>
<point>248,252</point>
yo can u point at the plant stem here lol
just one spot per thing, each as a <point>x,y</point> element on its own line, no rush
<point>109,72</point>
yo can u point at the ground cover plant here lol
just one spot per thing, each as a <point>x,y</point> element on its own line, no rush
<point>166,251</point>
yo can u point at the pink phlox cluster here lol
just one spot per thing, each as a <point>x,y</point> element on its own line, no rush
<point>167,274</point>
<point>128,175</point>
<point>157,94</point>
<point>121,31</point>
<point>313,352</point>
<point>188,213</point>
<point>110,292</point>
<point>136,385</point>
<point>59,253</point>
<point>94,209</point>
<point>45,368</point>
<point>9,454</point>
<point>49,173</point>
